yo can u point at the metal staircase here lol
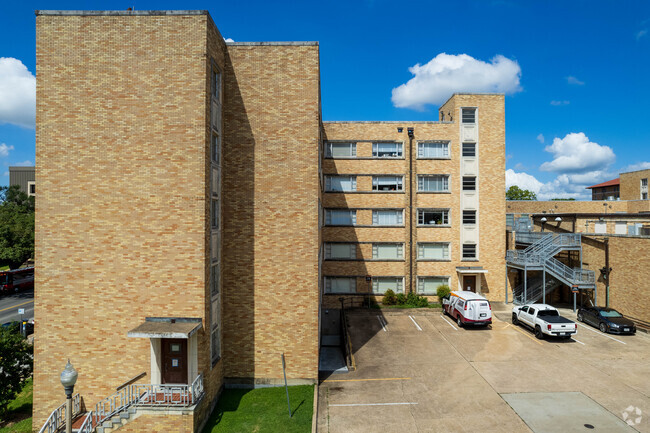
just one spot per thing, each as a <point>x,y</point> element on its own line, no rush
<point>533,292</point>
<point>539,256</point>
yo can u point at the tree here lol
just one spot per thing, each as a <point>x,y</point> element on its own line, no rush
<point>516,193</point>
<point>16,226</point>
<point>16,364</point>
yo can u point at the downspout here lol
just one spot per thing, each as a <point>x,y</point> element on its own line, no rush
<point>411,261</point>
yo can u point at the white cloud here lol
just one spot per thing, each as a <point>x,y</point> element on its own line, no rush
<point>4,149</point>
<point>576,154</point>
<point>17,93</point>
<point>228,40</point>
<point>26,163</point>
<point>556,103</point>
<point>445,74</point>
<point>573,80</point>
<point>523,181</point>
<point>641,34</point>
<point>563,186</point>
<point>540,138</point>
<point>636,167</point>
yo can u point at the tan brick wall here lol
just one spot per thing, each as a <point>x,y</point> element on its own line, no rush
<point>160,422</point>
<point>271,188</point>
<point>630,263</point>
<point>631,184</point>
<point>121,217</point>
<point>599,206</point>
<point>491,186</point>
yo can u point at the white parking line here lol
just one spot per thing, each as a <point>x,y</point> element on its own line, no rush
<point>415,323</point>
<point>450,324</point>
<point>577,341</point>
<point>383,326</point>
<point>370,404</point>
<point>601,334</point>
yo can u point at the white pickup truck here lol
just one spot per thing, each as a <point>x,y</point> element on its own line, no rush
<point>544,320</point>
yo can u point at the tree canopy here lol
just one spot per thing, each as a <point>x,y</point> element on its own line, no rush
<point>16,364</point>
<point>516,193</point>
<point>16,226</point>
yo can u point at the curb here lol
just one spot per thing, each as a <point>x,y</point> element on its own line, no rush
<point>314,418</point>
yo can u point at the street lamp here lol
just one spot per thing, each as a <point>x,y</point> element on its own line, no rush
<point>68,379</point>
<point>543,220</point>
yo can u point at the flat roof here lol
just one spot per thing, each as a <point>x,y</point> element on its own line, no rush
<point>272,44</point>
<point>120,13</point>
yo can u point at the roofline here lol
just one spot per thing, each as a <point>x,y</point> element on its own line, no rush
<point>602,184</point>
<point>22,167</point>
<point>635,171</point>
<point>401,122</point>
<point>593,214</point>
<point>469,94</point>
<point>272,44</point>
<point>119,13</point>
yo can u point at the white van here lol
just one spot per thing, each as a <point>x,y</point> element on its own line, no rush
<point>468,308</point>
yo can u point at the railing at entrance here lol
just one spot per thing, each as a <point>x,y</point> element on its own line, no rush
<point>56,420</point>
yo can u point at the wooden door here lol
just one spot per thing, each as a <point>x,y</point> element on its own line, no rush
<point>469,283</point>
<point>174,360</point>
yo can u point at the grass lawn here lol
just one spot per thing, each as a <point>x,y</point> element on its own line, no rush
<point>19,419</point>
<point>262,410</point>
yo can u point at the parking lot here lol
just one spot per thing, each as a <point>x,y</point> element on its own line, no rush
<point>418,372</point>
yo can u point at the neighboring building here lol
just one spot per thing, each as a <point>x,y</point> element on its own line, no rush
<point>609,190</point>
<point>634,185</point>
<point>25,177</point>
<point>411,205</point>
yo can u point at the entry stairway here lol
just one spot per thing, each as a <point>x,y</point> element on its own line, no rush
<point>540,256</point>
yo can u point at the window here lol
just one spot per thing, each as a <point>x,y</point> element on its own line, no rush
<point>433,149</point>
<point>433,251</point>
<point>340,217</point>
<point>340,150</point>
<point>381,284</point>
<point>387,150</point>
<point>387,217</point>
<point>469,251</point>
<point>469,183</point>
<point>469,115</point>
<point>644,196</point>
<point>340,284</point>
<point>469,149</point>
<point>429,285</point>
<point>340,183</point>
<point>215,213</point>
<point>433,183</point>
<point>214,281</point>
<point>432,217</point>
<point>387,251</point>
<point>644,182</point>
<point>215,147</point>
<point>215,314</point>
<point>31,188</point>
<point>469,217</point>
<point>335,251</point>
<point>387,183</point>
<point>216,83</point>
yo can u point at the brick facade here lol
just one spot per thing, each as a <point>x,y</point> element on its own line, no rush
<point>631,185</point>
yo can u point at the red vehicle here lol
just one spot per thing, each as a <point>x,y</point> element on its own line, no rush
<point>17,279</point>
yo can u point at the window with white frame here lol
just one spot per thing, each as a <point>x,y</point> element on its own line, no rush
<point>469,115</point>
<point>469,251</point>
<point>388,217</point>
<point>340,217</point>
<point>387,183</point>
<point>433,217</point>
<point>433,251</point>
<point>387,150</point>
<point>429,285</point>
<point>469,217</point>
<point>382,284</point>
<point>340,251</point>
<point>433,183</point>
<point>340,183</point>
<point>340,284</point>
<point>340,150</point>
<point>469,183</point>
<point>31,188</point>
<point>469,149</point>
<point>644,182</point>
<point>385,251</point>
<point>433,149</point>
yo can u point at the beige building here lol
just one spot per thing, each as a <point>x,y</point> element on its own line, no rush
<point>193,209</point>
<point>410,206</point>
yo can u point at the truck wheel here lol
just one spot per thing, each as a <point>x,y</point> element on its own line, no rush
<point>538,333</point>
<point>459,321</point>
<point>515,321</point>
<point>603,328</point>
<point>579,317</point>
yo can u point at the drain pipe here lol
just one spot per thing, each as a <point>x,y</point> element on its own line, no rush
<point>410,133</point>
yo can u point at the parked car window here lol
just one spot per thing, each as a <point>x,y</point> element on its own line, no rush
<point>610,313</point>
<point>531,310</point>
<point>524,309</point>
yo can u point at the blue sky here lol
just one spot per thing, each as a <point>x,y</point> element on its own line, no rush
<point>575,72</point>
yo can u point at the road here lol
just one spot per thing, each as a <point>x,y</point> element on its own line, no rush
<point>9,305</point>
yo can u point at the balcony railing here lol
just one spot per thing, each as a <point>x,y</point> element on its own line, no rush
<point>56,420</point>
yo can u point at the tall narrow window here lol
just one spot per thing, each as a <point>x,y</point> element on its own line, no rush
<point>215,213</point>
<point>469,115</point>
<point>216,147</point>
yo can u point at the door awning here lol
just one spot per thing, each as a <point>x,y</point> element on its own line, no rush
<point>166,327</point>
<point>471,270</point>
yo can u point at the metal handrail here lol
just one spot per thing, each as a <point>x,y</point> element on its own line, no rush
<point>87,426</point>
<point>56,420</point>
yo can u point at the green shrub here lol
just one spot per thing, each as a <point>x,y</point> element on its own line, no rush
<point>443,292</point>
<point>416,301</point>
<point>389,298</point>
<point>401,299</point>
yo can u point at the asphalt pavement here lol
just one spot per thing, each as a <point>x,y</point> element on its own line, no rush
<point>11,303</point>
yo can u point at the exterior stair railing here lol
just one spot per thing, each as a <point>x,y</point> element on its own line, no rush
<point>56,420</point>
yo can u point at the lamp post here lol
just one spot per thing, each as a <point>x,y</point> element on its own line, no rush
<point>543,220</point>
<point>68,379</point>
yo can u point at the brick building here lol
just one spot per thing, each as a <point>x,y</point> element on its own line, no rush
<point>632,185</point>
<point>183,186</point>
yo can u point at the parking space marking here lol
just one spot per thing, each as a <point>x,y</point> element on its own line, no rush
<point>601,334</point>
<point>17,305</point>
<point>370,404</point>
<point>415,323</point>
<point>450,324</point>
<point>523,333</point>
<point>578,341</point>
<point>383,326</point>
<point>367,380</point>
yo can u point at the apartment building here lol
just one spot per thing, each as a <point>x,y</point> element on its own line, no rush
<point>409,206</point>
<point>632,185</point>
